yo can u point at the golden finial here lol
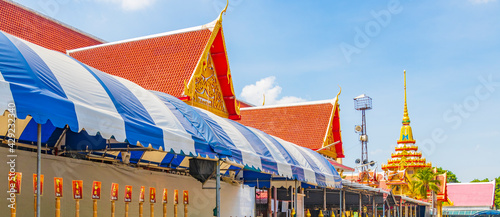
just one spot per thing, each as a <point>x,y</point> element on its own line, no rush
<point>223,11</point>
<point>406,118</point>
<point>264,101</point>
<point>340,91</point>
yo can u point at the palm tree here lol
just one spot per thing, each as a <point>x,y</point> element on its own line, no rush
<point>425,180</point>
<point>412,189</point>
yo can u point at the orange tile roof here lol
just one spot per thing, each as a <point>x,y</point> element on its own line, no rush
<point>36,28</point>
<point>303,124</point>
<point>160,63</point>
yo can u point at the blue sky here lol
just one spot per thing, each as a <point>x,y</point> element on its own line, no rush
<point>301,50</point>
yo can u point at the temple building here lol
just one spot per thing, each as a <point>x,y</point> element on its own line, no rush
<point>406,159</point>
<point>190,64</point>
<point>467,199</point>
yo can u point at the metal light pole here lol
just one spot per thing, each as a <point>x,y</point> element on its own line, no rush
<point>363,103</point>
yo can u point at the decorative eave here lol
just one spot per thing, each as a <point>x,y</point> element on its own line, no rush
<point>333,133</point>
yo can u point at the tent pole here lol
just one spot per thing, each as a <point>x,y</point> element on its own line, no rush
<point>383,209</point>
<point>360,211</point>
<point>341,203</point>
<point>217,177</point>
<point>295,197</point>
<point>324,199</point>
<point>38,168</point>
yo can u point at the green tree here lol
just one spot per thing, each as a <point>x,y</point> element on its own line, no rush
<point>450,176</point>
<point>477,180</point>
<point>497,193</point>
<point>425,180</point>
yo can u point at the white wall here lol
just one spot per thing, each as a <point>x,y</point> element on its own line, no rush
<point>237,201</point>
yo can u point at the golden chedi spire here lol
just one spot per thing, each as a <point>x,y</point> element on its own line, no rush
<point>406,153</point>
<point>406,135</point>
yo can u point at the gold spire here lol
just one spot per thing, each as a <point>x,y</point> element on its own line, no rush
<point>406,118</point>
<point>406,135</point>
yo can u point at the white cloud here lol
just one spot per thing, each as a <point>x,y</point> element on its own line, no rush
<point>130,5</point>
<point>254,93</point>
<point>482,1</point>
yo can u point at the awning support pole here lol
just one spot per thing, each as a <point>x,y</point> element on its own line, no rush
<point>383,209</point>
<point>295,197</point>
<point>38,168</point>
<point>324,198</point>
<point>374,207</point>
<point>341,202</point>
<point>360,211</point>
<point>217,178</point>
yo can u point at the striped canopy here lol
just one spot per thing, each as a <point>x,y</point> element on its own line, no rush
<point>64,94</point>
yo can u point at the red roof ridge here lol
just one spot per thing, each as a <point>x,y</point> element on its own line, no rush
<point>210,26</point>
<point>319,102</point>
<point>55,21</point>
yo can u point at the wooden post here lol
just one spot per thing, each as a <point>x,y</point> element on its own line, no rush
<point>175,210</point>
<point>112,208</point>
<point>140,209</point>
<point>164,209</point>
<point>95,208</point>
<point>58,207</point>
<point>152,209</point>
<point>185,210</point>
<point>126,209</point>
<point>77,208</point>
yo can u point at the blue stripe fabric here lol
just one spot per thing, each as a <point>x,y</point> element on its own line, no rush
<point>139,126</point>
<point>33,85</point>
<point>223,138</point>
<point>206,142</point>
<point>297,170</point>
<point>268,163</point>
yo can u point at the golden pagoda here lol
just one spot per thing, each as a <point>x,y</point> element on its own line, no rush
<point>404,162</point>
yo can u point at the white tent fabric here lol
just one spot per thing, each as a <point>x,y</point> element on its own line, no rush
<point>57,90</point>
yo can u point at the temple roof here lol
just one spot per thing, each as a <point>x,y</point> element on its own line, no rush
<point>167,62</point>
<point>305,124</point>
<point>42,30</point>
<point>161,62</point>
<point>472,194</point>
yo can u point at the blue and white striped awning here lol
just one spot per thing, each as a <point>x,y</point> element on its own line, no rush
<point>62,93</point>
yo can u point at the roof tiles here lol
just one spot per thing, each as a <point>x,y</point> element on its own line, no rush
<point>304,125</point>
<point>41,30</point>
<point>158,63</point>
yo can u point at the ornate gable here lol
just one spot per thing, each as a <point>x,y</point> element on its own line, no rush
<point>332,143</point>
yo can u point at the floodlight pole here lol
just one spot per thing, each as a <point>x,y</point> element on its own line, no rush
<point>38,168</point>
